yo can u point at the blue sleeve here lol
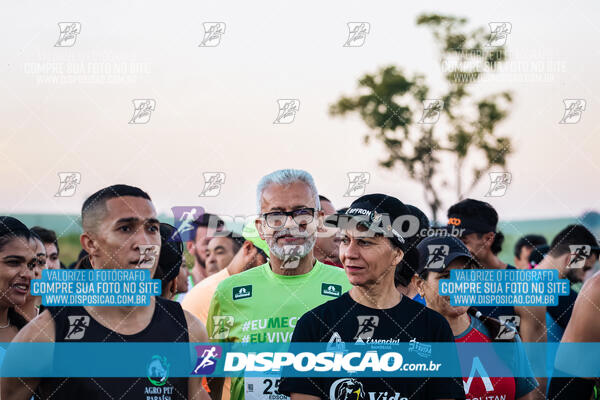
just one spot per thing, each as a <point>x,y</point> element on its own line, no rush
<point>523,385</point>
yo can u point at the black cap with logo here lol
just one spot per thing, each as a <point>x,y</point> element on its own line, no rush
<point>377,212</point>
<point>437,252</point>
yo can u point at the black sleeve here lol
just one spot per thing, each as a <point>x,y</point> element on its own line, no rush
<point>444,388</point>
<point>306,330</point>
<point>570,388</point>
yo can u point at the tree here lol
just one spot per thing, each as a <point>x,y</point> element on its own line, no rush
<point>390,101</point>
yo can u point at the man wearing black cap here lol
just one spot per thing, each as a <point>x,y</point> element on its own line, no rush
<point>477,222</point>
<point>373,310</point>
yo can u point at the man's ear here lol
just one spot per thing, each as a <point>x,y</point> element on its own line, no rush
<point>320,221</point>
<point>189,245</point>
<point>259,227</point>
<point>88,244</point>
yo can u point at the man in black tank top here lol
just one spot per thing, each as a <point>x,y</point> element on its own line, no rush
<point>116,221</point>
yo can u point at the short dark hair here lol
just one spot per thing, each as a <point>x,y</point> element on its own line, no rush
<point>205,219</point>
<point>475,209</point>
<point>236,240</point>
<point>572,235</point>
<point>11,228</point>
<point>323,198</point>
<point>98,200</point>
<point>47,236</point>
<point>529,241</point>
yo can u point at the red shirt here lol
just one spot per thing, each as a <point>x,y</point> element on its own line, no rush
<point>478,386</point>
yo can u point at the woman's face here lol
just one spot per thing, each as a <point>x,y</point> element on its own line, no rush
<point>18,262</point>
<point>368,259</point>
<point>429,289</point>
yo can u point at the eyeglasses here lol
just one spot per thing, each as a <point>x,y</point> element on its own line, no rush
<point>277,219</point>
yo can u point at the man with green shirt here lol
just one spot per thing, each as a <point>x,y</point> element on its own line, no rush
<point>262,305</point>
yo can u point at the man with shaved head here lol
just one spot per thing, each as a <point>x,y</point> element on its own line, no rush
<point>119,224</point>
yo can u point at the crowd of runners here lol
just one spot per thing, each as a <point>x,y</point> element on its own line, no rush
<point>302,271</point>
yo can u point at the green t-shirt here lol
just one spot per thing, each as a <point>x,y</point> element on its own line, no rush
<point>260,306</point>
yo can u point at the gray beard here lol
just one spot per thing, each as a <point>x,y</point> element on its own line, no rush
<point>291,254</point>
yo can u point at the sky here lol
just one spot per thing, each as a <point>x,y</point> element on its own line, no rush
<point>67,109</point>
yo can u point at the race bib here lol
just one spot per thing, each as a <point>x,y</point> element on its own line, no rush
<point>263,388</point>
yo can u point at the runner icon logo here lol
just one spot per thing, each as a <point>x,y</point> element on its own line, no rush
<point>222,325</point>
<point>68,183</point>
<point>287,111</point>
<point>242,292</point>
<point>142,110</point>
<point>207,359</point>
<point>77,326</point>
<point>212,34</point>
<point>366,326</point>
<point>68,33</point>
<point>357,183</point>
<point>357,33</point>
<point>574,108</point>
<point>432,109</point>
<point>499,33</point>
<point>510,324</point>
<point>329,289</point>
<point>212,184</point>
<point>499,182</point>
<point>579,252</point>
<point>437,255</point>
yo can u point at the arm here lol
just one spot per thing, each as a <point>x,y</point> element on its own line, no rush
<point>40,329</point>
<point>197,334</point>
<point>215,384</point>
<point>533,329</point>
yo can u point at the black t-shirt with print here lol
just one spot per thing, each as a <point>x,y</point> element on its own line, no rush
<point>349,321</point>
